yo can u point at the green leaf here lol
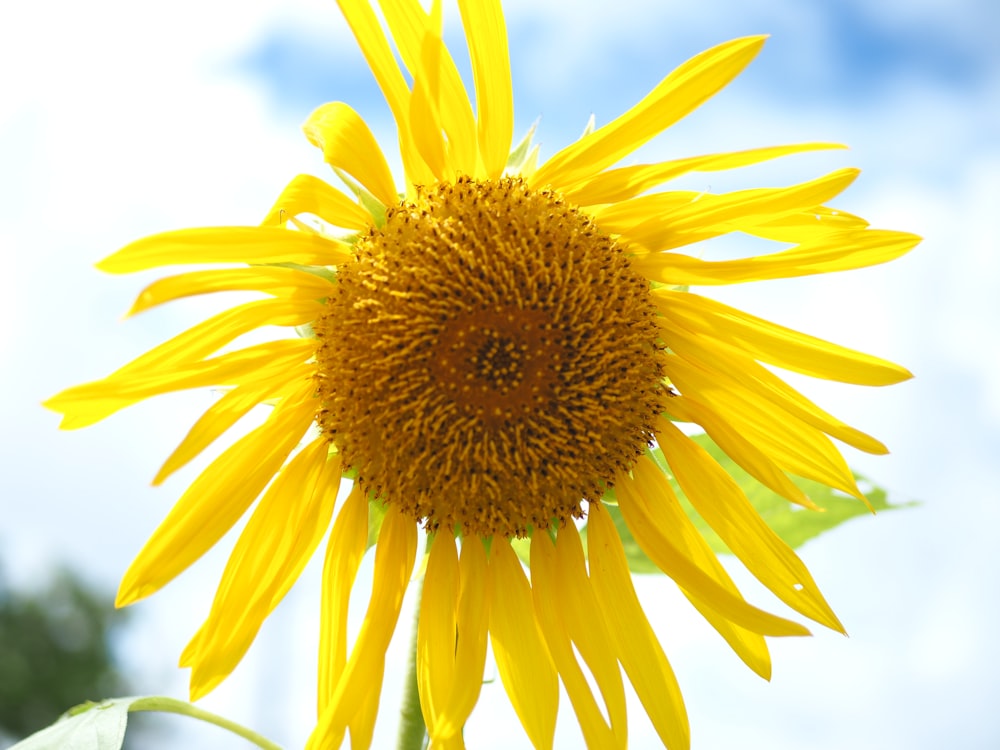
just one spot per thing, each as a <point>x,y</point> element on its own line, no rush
<point>89,726</point>
<point>101,725</point>
<point>794,524</point>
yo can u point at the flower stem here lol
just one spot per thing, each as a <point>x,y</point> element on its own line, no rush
<point>174,706</point>
<point>412,728</point>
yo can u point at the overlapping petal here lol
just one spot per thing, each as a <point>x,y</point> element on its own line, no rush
<point>226,245</point>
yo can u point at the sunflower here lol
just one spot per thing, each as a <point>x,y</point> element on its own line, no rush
<point>492,354</point>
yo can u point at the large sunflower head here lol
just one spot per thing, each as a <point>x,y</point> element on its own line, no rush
<point>491,351</point>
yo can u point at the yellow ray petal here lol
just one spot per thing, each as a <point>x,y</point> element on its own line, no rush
<point>362,726</point>
<point>635,643</point>
<point>486,33</point>
<point>832,252</point>
<point>734,366</point>
<point>662,507</point>
<point>287,283</point>
<point>348,144</point>
<point>774,344</point>
<point>374,46</point>
<point>418,36</point>
<point>164,367</point>
<point>344,551</point>
<point>669,539</point>
<point>310,195</point>
<point>226,245</point>
<point>711,215</point>
<point>86,404</point>
<point>591,639</point>
<point>675,96</point>
<point>225,412</point>
<point>523,660</point>
<point>795,446</point>
<point>470,651</point>
<point>425,104</point>
<point>721,502</point>
<point>623,183</point>
<point>743,451</point>
<point>277,542</point>
<point>368,33</point>
<point>436,630</point>
<point>805,225</point>
<point>217,498</point>
<point>394,556</point>
<point>551,611</point>
<point>210,335</point>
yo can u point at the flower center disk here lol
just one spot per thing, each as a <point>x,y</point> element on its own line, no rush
<point>489,359</point>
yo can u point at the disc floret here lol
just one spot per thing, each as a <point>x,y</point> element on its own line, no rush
<point>489,359</point>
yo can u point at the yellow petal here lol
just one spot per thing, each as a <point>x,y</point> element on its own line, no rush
<point>724,506</point>
<point>674,97</point>
<point>832,252</point>
<point>394,556</point>
<point>280,538</point>
<point>549,602</point>
<point>368,33</point>
<point>425,113</point>
<point>470,650</point>
<point>486,33</point>
<point>523,660</point>
<point>217,498</point>
<point>344,551</point>
<point>348,144</point>
<point>226,245</point>
<point>225,412</point>
<point>774,344</point>
<point>592,640</point>
<point>310,195</point>
<point>669,539</point>
<point>85,404</point>
<point>623,183</point>
<point>418,36</point>
<point>210,335</point>
<point>436,630</point>
<point>794,445</point>
<point>735,367</point>
<point>657,504</point>
<point>635,643</point>
<point>743,451</point>
<point>287,283</point>
<point>708,215</point>
<point>805,225</point>
<point>362,726</point>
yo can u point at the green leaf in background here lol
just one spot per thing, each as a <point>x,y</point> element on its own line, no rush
<point>89,726</point>
<point>101,725</point>
<point>795,525</point>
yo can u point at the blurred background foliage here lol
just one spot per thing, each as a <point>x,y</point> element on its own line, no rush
<point>56,651</point>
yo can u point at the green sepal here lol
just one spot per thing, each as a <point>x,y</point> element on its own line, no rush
<point>518,157</point>
<point>376,515</point>
<point>368,201</point>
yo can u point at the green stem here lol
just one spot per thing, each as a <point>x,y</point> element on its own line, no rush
<point>412,729</point>
<point>174,706</point>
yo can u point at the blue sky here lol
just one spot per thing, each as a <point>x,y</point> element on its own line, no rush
<point>118,120</point>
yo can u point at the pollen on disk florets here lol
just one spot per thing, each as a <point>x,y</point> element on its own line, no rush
<point>489,359</point>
